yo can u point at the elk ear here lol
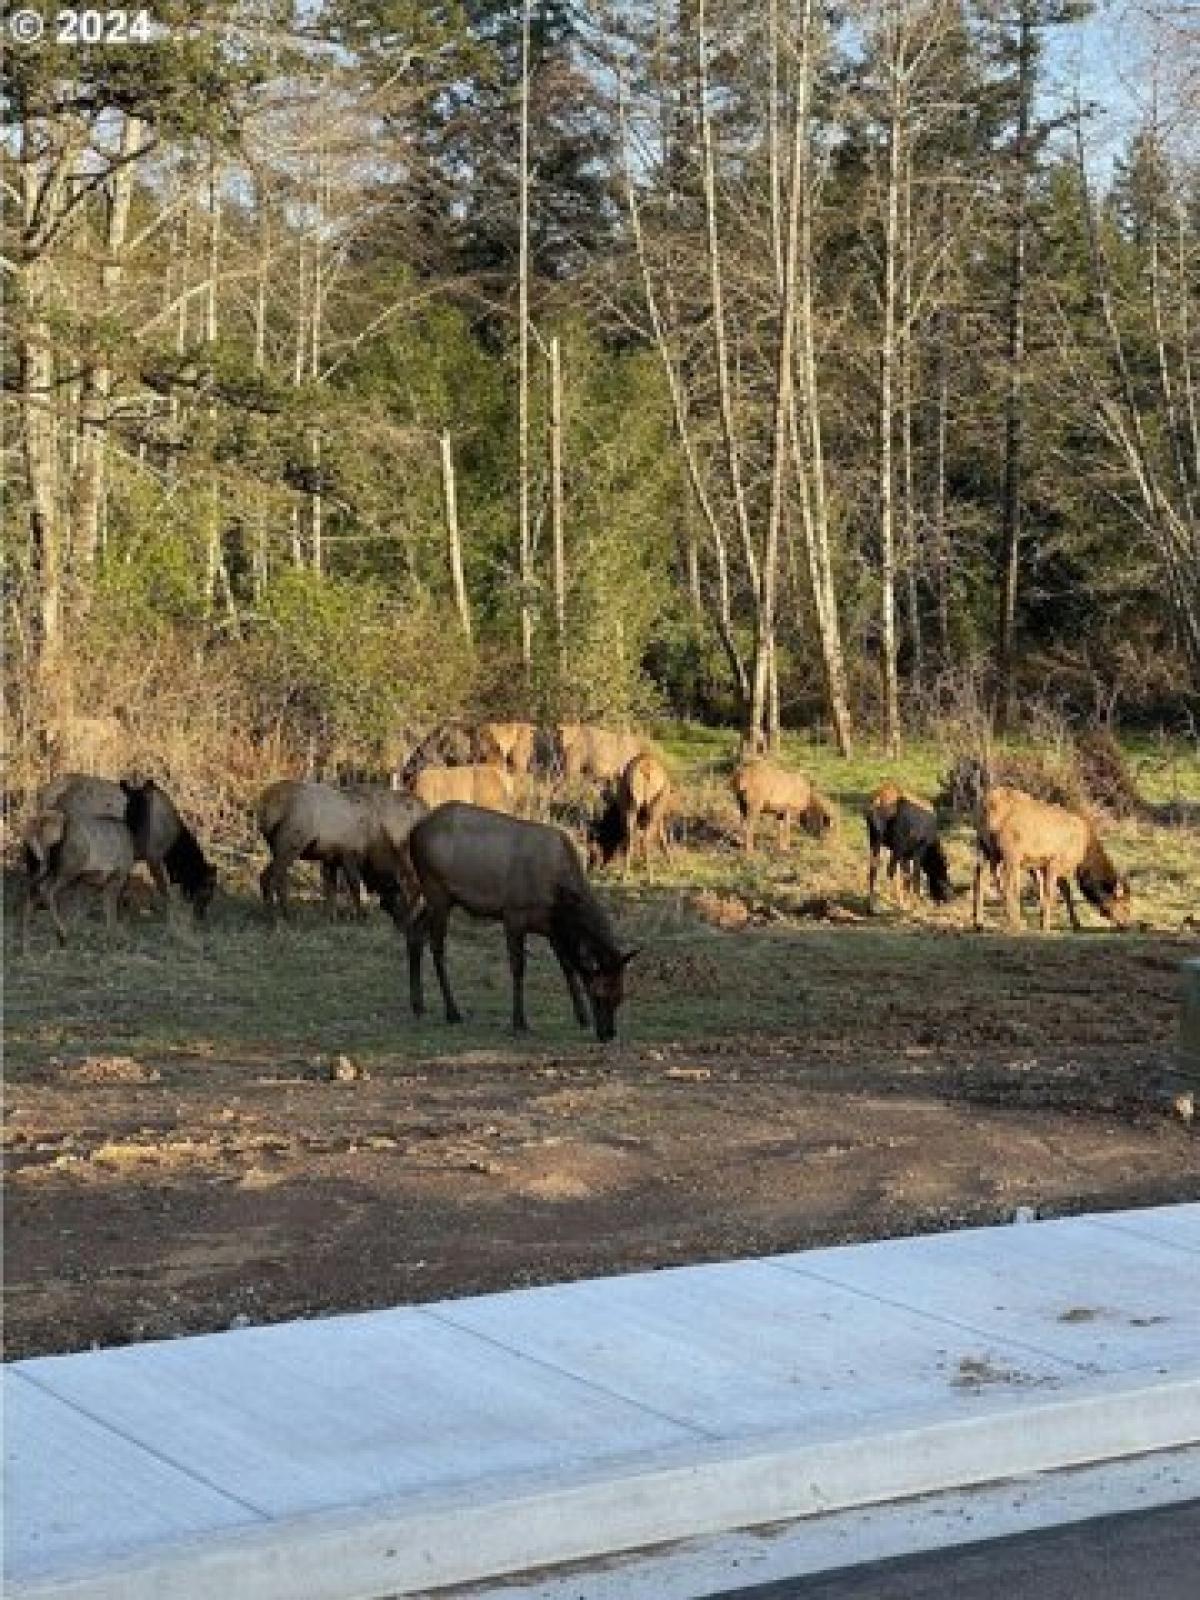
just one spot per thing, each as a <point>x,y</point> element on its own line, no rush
<point>628,955</point>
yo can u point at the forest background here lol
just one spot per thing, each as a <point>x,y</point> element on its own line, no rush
<point>772,363</point>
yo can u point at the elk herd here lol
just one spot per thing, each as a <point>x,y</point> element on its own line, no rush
<point>445,835</point>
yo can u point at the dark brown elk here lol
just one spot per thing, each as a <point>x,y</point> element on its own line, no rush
<point>760,786</point>
<point>908,831</point>
<point>62,849</point>
<point>527,876</point>
<point>1016,833</point>
<point>357,834</point>
<point>634,813</point>
<point>479,785</point>
<point>161,837</point>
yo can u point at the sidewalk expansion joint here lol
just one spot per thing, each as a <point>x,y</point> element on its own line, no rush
<point>575,1377</point>
<point>263,1515</point>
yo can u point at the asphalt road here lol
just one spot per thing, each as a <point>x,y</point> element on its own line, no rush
<point>1145,1555</point>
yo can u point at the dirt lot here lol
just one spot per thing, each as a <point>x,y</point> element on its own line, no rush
<point>249,1126</point>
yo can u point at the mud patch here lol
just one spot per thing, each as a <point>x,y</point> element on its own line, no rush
<point>566,1170</point>
<point>976,1373</point>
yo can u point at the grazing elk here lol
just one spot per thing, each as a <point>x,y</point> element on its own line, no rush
<point>359,833</point>
<point>908,830</point>
<point>759,786</point>
<point>65,848</point>
<point>527,876</point>
<point>161,838</point>
<point>1016,833</point>
<point>479,785</point>
<point>636,811</point>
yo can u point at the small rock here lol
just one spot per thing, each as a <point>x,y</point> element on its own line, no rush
<point>1184,1106</point>
<point>343,1070</point>
<point>241,1320</point>
<point>1025,1214</point>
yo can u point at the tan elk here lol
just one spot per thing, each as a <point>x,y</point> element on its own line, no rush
<point>161,838</point>
<point>508,745</point>
<point>636,812</point>
<point>62,849</point>
<point>356,834</point>
<point>477,785</point>
<point>527,876</point>
<point>1016,833</point>
<point>600,754</point>
<point>760,786</point>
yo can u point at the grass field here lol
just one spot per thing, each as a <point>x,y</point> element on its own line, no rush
<point>234,1120</point>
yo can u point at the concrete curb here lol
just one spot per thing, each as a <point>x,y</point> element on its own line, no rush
<point>432,1541</point>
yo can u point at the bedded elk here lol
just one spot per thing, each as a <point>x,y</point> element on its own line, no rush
<point>64,848</point>
<point>509,745</point>
<point>161,838</point>
<point>908,831</point>
<point>478,785</point>
<point>760,786</point>
<point>528,876</point>
<point>359,834</point>
<point>1016,833</point>
<point>635,812</point>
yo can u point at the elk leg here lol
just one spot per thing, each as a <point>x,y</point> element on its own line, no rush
<point>1065,885</point>
<point>516,961</point>
<point>578,998</point>
<point>416,932</point>
<point>785,832</point>
<point>161,882</point>
<point>873,876</point>
<point>748,841</point>
<point>274,882</point>
<point>49,898</point>
<point>33,897</point>
<point>1011,873</point>
<point>663,840</point>
<point>353,877</point>
<point>977,892</point>
<point>112,896</point>
<point>329,876</point>
<point>438,917</point>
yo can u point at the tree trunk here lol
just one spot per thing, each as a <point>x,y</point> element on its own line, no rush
<point>1014,405</point>
<point>524,527</point>
<point>97,381</point>
<point>722,611</point>
<point>887,369</point>
<point>557,505</point>
<point>450,505</point>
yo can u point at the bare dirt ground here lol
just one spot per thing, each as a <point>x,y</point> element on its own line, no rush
<point>250,1127</point>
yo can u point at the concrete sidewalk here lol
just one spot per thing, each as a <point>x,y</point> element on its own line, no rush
<point>398,1451</point>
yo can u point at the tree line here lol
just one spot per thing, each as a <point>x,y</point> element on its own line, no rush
<point>774,361</point>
